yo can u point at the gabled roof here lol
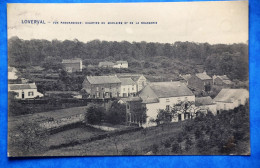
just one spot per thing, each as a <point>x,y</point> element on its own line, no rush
<point>203,76</point>
<point>22,86</point>
<point>225,79</point>
<point>200,101</point>
<point>152,92</point>
<point>126,81</point>
<point>103,79</point>
<point>134,77</point>
<point>106,63</point>
<point>186,77</point>
<point>71,61</point>
<point>230,95</point>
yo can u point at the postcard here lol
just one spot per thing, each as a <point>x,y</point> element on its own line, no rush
<point>98,79</point>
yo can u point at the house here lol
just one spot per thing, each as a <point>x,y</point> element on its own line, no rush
<point>165,95</point>
<point>121,64</point>
<point>102,86</point>
<point>206,104</point>
<point>106,64</point>
<point>228,99</point>
<point>222,81</point>
<point>72,65</point>
<point>185,78</point>
<point>12,73</point>
<point>200,82</point>
<point>139,79</point>
<point>24,91</point>
<point>128,87</point>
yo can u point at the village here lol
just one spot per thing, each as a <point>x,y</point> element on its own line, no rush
<point>191,91</point>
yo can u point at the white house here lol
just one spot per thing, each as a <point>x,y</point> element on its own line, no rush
<point>228,99</point>
<point>164,95</point>
<point>24,91</point>
<point>206,104</point>
<point>128,87</point>
<point>139,79</point>
<point>12,73</point>
<point>121,64</point>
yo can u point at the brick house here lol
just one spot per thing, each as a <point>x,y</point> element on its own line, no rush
<point>102,86</point>
<point>72,65</point>
<point>200,82</point>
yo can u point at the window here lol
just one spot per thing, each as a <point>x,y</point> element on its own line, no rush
<point>133,88</point>
<point>128,107</point>
<point>30,93</point>
<point>167,100</point>
<point>97,94</point>
<point>123,89</point>
<point>97,89</point>
<point>167,108</point>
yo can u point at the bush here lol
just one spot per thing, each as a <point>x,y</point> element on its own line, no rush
<point>95,114</point>
<point>167,143</point>
<point>116,114</point>
<point>155,148</point>
<point>129,151</point>
<point>176,148</point>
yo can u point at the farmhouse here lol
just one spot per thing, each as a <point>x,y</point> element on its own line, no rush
<point>24,91</point>
<point>106,64</point>
<point>121,64</point>
<point>72,65</point>
<point>102,86</point>
<point>128,87</point>
<point>228,99</point>
<point>139,79</point>
<point>200,82</point>
<point>222,81</point>
<point>206,104</point>
<point>164,95</point>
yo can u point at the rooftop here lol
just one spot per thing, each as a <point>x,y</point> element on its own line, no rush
<point>127,81</point>
<point>123,62</point>
<point>106,63</point>
<point>103,79</point>
<point>155,90</point>
<point>64,61</point>
<point>22,86</point>
<point>203,101</point>
<point>203,76</point>
<point>229,95</point>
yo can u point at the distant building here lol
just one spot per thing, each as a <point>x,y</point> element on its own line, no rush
<point>24,91</point>
<point>185,78</point>
<point>128,87</point>
<point>102,86</point>
<point>206,104</point>
<point>222,81</point>
<point>121,64</point>
<point>139,79</point>
<point>164,95</point>
<point>12,73</point>
<point>200,82</point>
<point>72,65</point>
<point>106,64</point>
<point>63,94</point>
<point>228,99</point>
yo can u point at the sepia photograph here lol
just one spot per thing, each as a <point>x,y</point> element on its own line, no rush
<point>112,79</point>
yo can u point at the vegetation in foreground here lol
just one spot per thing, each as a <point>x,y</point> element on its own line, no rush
<point>224,134</point>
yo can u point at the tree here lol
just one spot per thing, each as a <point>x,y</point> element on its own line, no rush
<point>116,114</point>
<point>95,114</point>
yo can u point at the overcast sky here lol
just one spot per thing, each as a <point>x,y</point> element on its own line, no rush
<point>212,22</point>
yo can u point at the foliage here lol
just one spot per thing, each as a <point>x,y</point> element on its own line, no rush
<point>95,114</point>
<point>116,114</point>
<point>26,139</point>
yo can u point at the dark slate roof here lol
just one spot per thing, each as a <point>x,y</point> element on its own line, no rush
<point>152,92</point>
<point>228,95</point>
<point>103,79</point>
<point>71,61</point>
<point>22,86</point>
<point>105,63</point>
<point>203,76</point>
<point>126,81</point>
<point>200,101</point>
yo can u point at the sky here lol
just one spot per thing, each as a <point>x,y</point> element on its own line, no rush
<point>212,22</point>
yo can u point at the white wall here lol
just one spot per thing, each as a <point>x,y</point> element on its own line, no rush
<point>152,108</point>
<point>26,91</point>
<point>127,89</point>
<point>121,66</point>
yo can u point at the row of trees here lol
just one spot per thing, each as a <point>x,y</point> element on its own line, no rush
<point>231,60</point>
